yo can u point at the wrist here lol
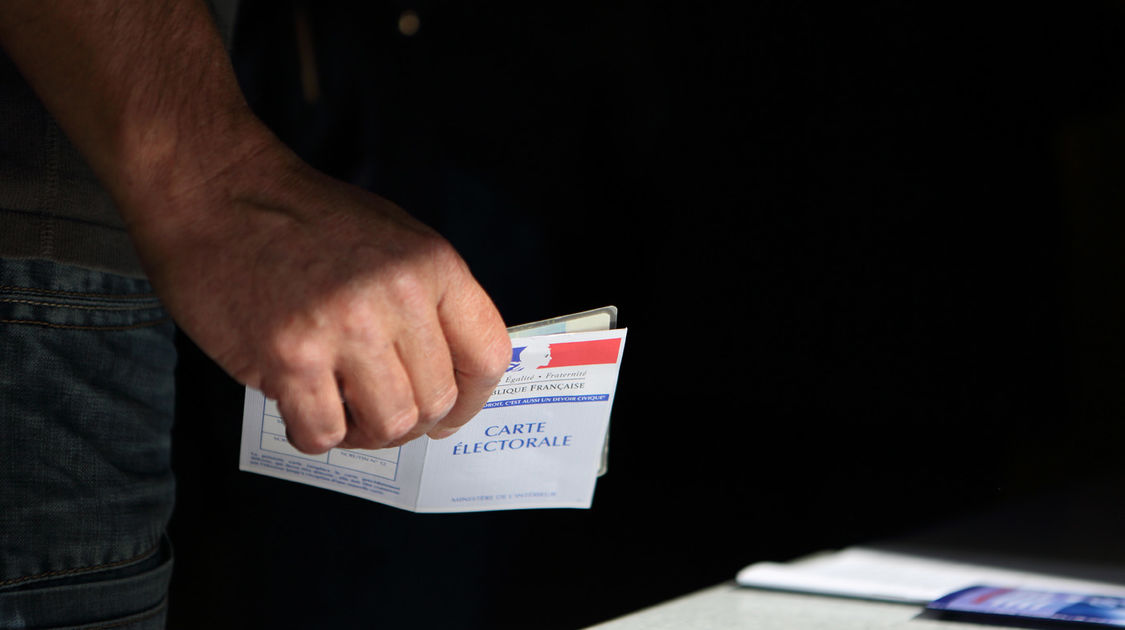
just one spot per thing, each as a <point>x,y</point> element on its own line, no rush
<point>165,160</point>
<point>170,183</point>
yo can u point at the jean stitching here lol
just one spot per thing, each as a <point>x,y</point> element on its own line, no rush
<point>31,322</point>
<point>76,306</point>
<point>134,619</point>
<point>107,296</point>
<point>96,567</point>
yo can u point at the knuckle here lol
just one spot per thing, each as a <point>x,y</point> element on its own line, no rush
<point>409,287</point>
<point>295,352</point>
<point>496,360</point>
<point>442,253</point>
<point>448,261</point>
<point>357,321</point>
<point>486,363</point>
<point>402,422</point>
<point>381,432</point>
<point>437,407</point>
<point>309,427</point>
<point>318,441</point>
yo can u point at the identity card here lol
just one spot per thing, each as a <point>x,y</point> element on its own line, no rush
<point>992,603</point>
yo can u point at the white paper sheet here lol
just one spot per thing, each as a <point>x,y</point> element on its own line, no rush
<point>899,577</point>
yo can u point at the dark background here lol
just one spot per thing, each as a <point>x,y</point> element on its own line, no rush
<point>869,255</point>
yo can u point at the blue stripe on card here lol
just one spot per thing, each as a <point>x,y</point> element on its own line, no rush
<point>543,400</point>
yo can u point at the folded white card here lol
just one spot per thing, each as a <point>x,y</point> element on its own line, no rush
<point>537,443</point>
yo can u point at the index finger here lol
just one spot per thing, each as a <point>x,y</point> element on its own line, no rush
<point>480,349</point>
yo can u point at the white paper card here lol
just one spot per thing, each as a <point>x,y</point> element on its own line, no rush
<point>901,577</point>
<point>537,443</point>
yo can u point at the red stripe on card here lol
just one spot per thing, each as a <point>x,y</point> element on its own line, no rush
<point>584,352</point>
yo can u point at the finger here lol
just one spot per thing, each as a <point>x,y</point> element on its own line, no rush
<point>479,348</point>
<point>425,357</point>
<point>380,400</point>
<point>310,407</point>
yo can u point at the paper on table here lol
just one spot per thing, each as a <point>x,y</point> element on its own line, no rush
<point>898,577</point>
<point>536,444</point>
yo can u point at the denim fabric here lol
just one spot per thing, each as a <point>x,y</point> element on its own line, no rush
<point>86,488</point>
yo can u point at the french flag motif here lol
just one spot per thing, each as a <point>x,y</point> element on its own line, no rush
<point>567,354</point>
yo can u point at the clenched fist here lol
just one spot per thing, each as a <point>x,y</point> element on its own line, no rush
<point>312,290</point>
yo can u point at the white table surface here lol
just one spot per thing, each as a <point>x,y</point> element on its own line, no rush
<point>731,607</point>
<point>1074,532</point>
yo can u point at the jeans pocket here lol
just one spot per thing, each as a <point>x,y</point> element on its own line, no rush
<point>132,597</point>
<point>86,399</point>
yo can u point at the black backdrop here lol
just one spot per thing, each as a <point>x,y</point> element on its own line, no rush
<point>867,253</point>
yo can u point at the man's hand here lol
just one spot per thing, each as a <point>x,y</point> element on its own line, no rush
<point>312,290</point>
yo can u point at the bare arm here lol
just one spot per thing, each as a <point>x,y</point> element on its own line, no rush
<point>293,282</point>
<point>143,89</point>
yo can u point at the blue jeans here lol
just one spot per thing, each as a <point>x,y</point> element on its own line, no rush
<point>86,488</point>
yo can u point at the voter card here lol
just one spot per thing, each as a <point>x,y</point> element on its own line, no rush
<point>537,442</point>
<point>995,604</point>
<point>604,318</point>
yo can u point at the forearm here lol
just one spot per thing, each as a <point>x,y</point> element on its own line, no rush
<point>143,88</point>
<point>295,283</point>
